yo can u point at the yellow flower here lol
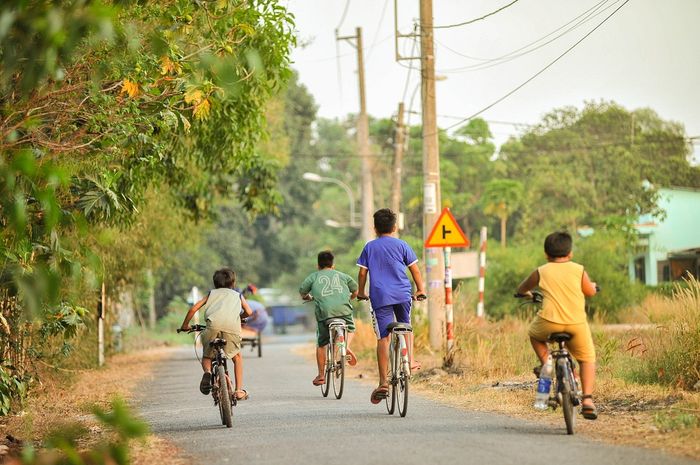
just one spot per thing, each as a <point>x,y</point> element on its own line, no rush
<point>130,88</point>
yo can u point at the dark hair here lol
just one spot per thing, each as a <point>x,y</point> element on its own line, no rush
<point>224,278</point>
<point>325,259</point>
<point>384,221</point>
<point>558,244</point>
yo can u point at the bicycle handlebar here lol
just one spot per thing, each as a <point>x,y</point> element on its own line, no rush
<point>193,328</point>
<point>419,297</point>
<point>536,296</point>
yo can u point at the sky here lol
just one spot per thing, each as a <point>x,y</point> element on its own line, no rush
<point>647,54</point>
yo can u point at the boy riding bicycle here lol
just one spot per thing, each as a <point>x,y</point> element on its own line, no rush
<point>385,260</point>
<point>222,313</point>
<point>564,285</point>
<point>332,292</point>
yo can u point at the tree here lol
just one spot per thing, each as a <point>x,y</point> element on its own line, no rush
<point>501,198</point>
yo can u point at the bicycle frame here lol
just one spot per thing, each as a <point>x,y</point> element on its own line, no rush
<point>336,352</point>
<point>564,372</point>
<point>220,360</point>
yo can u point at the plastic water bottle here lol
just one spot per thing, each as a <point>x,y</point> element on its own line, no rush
<point>544,385</point>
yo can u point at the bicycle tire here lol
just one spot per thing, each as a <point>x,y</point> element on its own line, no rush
<point>325,387</point>
<point>339,375</point>
<point>391,397</point>
<point>567,404</point>
<point>224,398</point>
<point>259,344</point>
<point>402,386</point>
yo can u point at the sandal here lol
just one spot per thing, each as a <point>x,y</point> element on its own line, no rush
<point>589,412</point>
<point>379,394</point>
<point>351,358</point>
<point>241,397</point>
<point>319,381</point>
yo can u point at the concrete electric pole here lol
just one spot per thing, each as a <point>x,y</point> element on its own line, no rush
<point>431,176</point>
<point>367,197</point>
<point>399,143</point>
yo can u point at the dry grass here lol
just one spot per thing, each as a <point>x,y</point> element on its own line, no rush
<point>494,360</point>
<point>64,398</point>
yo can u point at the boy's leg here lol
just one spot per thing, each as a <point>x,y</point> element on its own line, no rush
<point>237,361</point>
<point>403,315</point>
<point>539,331</point>
<point>587,381</point>
<point>206,364</point>
<point>541,349</point>
<point>205,383</point>
<point>321,360</point>
<point>383,360</point>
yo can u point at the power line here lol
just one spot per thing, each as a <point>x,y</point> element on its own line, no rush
<point>525,50</point>
<point>379,27</point>
<point>447,26</point>
<point>342,18</point>
<point>549,65</point>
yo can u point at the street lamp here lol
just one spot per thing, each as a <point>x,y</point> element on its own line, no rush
<point>313,177</point>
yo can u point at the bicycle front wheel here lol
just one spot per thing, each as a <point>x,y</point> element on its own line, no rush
<point>339,374</point>
<point>566,391</point>
<point>224,398</point>
<point>402,384</point>
<point>325,387</point>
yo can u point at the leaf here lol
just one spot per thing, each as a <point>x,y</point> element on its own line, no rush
<point>168,66</point>
<point>201,111</point>
<point>130,88</point>
<point>194,96</point>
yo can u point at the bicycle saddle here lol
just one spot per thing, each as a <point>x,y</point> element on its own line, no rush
<point>335,321</point>
<point>217,342</point>
<point>401,327</point>
<point>560,337</point>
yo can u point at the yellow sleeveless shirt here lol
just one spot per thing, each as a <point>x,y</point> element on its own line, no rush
<point>564,302</point>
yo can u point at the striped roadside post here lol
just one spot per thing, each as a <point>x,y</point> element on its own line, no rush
<point>449,314</point>
<point>482,273</point>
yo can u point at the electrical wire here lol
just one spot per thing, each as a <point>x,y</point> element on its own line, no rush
<point>588,15</point>
<point>342,18</point>
<point>447,26</point>
<point>376,32</point>
<point>545,68</point>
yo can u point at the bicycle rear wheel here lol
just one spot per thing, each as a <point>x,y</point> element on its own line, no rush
<point>224,398</point>
<point>325,387</point>
<point>393,363</point>
<point>566,391</point>
<point>339,374</point>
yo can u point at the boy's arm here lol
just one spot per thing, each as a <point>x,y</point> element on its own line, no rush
<point>186,322</point>
<point>361,283</point>
<point>417,278</point>
<point>246,308</point>
<point>352,286</point>
<point>305,288</point>
<point>529,284</point>
<point>587,286</point>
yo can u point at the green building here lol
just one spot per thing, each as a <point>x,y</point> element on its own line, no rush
<point>669,246</point>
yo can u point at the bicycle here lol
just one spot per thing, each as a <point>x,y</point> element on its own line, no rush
<point>399,365</point>
<point>565,392</point>
<point>222,388</point>
<point>336,353</point>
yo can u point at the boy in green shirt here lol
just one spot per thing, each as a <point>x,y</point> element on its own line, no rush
<point>332,292</point>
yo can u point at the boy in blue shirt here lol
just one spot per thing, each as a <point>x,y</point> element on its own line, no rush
<point>385,259</point>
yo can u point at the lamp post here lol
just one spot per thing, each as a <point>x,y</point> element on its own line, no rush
<point>313,177</point>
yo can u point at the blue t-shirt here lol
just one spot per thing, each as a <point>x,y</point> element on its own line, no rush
<point>386,258</point>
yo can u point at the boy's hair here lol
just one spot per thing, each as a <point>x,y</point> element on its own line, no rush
<point>384,221</point>
<point>558,244</point>
<point>224,278</point>
<point>325,259</point>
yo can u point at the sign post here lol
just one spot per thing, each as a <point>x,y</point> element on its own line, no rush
<point>446,233</point>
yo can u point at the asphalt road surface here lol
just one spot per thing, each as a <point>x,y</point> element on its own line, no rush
<point>286,421</point>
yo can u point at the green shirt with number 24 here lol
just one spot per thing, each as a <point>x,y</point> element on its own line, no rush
<point>331,290</point>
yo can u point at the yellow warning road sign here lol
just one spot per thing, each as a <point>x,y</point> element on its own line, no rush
<point>446,232</point>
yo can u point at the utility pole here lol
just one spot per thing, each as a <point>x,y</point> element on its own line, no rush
<point>367,197</point>
<point>102,308</point>
<point>431,176</point>
<point>399,143</point>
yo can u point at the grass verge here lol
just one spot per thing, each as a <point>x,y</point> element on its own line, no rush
<point>65,398</point>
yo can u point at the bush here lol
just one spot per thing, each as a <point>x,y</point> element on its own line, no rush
<point>505,270</point>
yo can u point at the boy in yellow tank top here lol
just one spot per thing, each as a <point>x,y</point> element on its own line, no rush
<point>564,285</point>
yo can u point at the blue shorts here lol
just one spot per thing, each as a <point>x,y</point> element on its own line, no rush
<point>383,316</point>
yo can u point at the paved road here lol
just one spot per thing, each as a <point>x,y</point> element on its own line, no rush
<point>286,421</point>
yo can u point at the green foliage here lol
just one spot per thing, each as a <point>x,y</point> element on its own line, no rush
<point>506,269</point>
<point>63,446</point>
<point>13,389</point>
<point>672,421</point>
